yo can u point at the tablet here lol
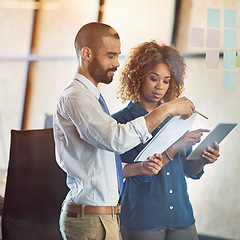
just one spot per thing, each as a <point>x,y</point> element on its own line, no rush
<point>217,134</point>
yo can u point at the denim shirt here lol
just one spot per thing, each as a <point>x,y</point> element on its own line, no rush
<point>161,200</point>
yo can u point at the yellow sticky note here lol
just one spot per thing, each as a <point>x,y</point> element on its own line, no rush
<point>238,59</point>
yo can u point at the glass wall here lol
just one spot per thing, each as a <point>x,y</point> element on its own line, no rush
<point>37,59</point>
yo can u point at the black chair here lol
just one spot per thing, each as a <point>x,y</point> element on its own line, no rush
<point>35,188</point>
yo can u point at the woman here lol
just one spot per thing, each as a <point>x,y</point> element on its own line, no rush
<point>158,207</point>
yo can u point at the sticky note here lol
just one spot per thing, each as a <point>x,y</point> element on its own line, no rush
<point>229,80</point>
<point>229,59</point>
<point>213,17</point>
<point>213,38</point>
<point>230,18</point>
<point>212,59</point>
<point>197,37</point>
<point>238,59</point>
<point>230,38</point>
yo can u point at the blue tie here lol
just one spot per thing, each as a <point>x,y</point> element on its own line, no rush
<point>117,157</point>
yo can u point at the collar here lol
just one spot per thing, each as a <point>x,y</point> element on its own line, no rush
<point>87,83</point>
<point>137,111</point>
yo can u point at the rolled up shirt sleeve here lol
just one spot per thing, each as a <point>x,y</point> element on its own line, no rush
<point>98,128</point>
<point>140,127</point>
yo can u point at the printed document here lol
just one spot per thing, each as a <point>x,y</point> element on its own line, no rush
<point>167,136</point>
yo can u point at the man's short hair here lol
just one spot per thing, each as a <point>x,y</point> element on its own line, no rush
<point>91,35</point>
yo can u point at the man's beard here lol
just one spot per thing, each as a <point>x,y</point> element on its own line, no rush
<point>98,73</point>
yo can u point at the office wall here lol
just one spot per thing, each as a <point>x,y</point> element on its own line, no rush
<point>215,196</point>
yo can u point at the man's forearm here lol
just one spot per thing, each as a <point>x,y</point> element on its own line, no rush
<point>156,117</point>
<point>178,107</point>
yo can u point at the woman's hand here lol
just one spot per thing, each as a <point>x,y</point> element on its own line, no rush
<point>150,168</point>
<point>153,166</point>
<point>211,155</point>
<point>190,138</point>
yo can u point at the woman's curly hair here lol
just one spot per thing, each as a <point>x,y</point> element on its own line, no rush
<point>143,59</point>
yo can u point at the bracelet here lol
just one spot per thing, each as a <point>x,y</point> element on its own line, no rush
<point>171,159</point>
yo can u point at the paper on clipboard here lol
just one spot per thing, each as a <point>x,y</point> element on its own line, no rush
<point>168,135</point>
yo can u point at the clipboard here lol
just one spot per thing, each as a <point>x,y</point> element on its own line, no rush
<point>217,134</point>
<point>166,136</point>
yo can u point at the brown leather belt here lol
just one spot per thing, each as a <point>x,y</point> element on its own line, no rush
<point>78,209</point>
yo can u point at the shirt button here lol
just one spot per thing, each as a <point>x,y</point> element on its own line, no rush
<point>170,191</point>
<point>168,173</point>
<point>171,207</point>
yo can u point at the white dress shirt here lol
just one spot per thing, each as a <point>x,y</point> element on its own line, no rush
<point>86,139</point>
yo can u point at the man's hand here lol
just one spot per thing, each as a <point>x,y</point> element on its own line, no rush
<point>182,107</point>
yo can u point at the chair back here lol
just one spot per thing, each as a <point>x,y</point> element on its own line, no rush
<point>35,188</point>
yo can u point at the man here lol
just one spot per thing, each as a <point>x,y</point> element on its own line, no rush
<point>87,138</point>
